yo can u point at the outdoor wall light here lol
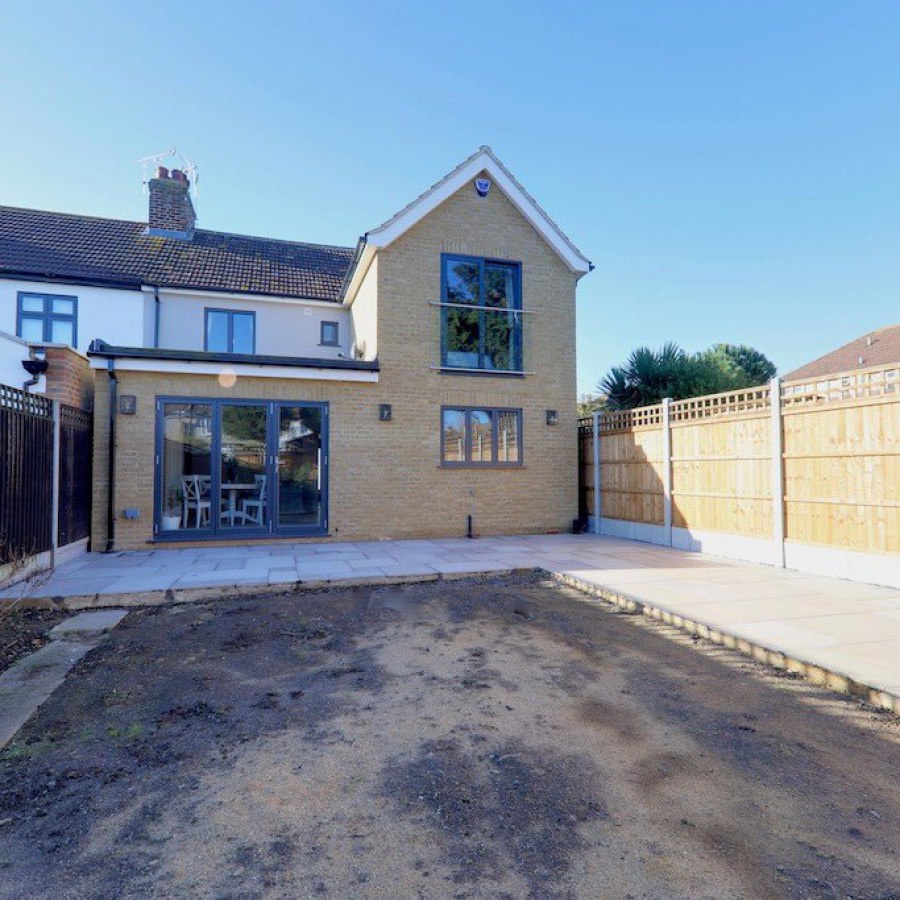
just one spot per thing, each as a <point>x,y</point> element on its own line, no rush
<point>552,417</point>
<point>385,412</point>
<point>127,404</point>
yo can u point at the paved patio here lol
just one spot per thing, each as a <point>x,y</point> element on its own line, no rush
<point>844,627</point>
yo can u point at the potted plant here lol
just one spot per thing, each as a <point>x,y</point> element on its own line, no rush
<point>171,519</point>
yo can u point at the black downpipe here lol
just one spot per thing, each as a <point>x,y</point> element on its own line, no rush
<point>156,313</point>
<point>469,527</point>
<point>111,474</point>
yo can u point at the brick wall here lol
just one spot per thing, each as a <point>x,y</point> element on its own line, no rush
<point>385,477</point>
<point>171,208</point>
<point>69,377</point>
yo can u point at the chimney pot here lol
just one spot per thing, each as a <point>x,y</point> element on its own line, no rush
<point>162,172</point>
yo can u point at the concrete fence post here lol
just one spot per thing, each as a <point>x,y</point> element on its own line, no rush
<point>54,502</point>
<point>598,506</point>
<point>667,469</point>
<point>777,472</point>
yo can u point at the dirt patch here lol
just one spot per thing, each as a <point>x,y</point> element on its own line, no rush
<point>493,737</point>
<point>23,631</point>
<point>514,806</point>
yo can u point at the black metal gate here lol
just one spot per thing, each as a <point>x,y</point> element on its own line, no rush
<point>26,474</point>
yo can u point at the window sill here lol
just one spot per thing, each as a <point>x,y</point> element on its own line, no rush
<point>490,373</point>
<point>493,467</point>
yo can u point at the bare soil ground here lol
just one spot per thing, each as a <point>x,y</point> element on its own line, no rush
<point>489,738</point>
<point>23,631</point>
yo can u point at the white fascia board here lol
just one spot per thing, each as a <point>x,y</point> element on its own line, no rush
<point>246,298</point>
<point>187,367</point>
<point>359,273</point>
<point>485,161</point>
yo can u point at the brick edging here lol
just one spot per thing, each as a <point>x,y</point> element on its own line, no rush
<point>813,672</point>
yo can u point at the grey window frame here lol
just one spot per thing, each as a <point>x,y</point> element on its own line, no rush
<point>484,310</point>
<point>231,313</point>
<point>47,317</point>
<point>337,330</point>
<point>469,463</point>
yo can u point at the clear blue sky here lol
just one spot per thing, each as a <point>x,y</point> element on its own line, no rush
<point>732,168</point>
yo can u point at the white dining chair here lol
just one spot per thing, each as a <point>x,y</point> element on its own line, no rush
<point>254,507</point>
<point>196,489</point>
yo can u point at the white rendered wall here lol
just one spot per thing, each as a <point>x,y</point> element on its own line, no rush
<point>115,316</point>
<point>364,313</point>
<point>12,352</point>
<point>283,327</point>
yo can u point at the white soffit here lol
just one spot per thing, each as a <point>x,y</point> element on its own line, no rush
<point>482,161</point>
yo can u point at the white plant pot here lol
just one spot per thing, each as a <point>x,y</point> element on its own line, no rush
<point>171,523</point>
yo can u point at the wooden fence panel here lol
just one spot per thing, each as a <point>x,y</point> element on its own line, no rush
<point>631,468</point>
<point>842,473</point>
<point>839,463</point>
<point>722,475</point>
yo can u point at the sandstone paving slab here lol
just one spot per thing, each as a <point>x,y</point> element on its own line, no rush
<point>29,681</point>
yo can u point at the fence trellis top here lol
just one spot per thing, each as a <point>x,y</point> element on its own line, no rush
<point>23,402</point>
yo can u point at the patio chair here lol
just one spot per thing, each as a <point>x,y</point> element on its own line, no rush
<point>196,489</point>
<point>253,508</point>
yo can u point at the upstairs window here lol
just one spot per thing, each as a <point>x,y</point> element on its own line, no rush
<point>481,319</point>
<point>329,334</point>
<point>47,318</point>
<point>230,331</point>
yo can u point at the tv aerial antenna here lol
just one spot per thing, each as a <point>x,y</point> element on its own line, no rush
<point>172,158</point>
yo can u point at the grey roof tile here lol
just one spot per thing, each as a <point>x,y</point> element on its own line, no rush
<point>62,245</point>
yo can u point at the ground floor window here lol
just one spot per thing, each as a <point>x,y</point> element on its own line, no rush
<point>473,436</point>
<point>241,466</point>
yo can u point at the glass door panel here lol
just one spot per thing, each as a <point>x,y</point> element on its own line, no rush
<point>300,467</point>
<point>243,486</point>
<point>186,460</point>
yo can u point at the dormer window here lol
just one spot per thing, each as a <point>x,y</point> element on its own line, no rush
<point>230,331</point>
<point>481,319</point>
<point>47,318</point>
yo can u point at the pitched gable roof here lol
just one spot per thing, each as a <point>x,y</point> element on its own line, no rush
<point>83,248</point>
<point>877,348</point>
<point>483,160</point>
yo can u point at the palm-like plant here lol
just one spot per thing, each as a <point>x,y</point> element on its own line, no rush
<point>647,377</point>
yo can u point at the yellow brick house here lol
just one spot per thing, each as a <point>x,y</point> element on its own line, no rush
<point>421,384</point>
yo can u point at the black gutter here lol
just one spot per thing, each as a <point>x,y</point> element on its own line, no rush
<point>111,472</point>
<point>106,351</point>
<point>138,284</point>
<point>86,281</point>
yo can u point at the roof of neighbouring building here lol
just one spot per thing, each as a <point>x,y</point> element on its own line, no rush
<point>64,246</point>
<point>877,348</point>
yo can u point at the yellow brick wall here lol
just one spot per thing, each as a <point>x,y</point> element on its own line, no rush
<point>385,480</point>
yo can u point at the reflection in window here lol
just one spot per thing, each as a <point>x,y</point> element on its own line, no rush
<point>186,466</point>
<point>488,335</point>
<point>471,436</point>
<point>454,436</point>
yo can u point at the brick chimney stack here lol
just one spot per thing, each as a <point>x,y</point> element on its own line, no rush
<point>171,209</point>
